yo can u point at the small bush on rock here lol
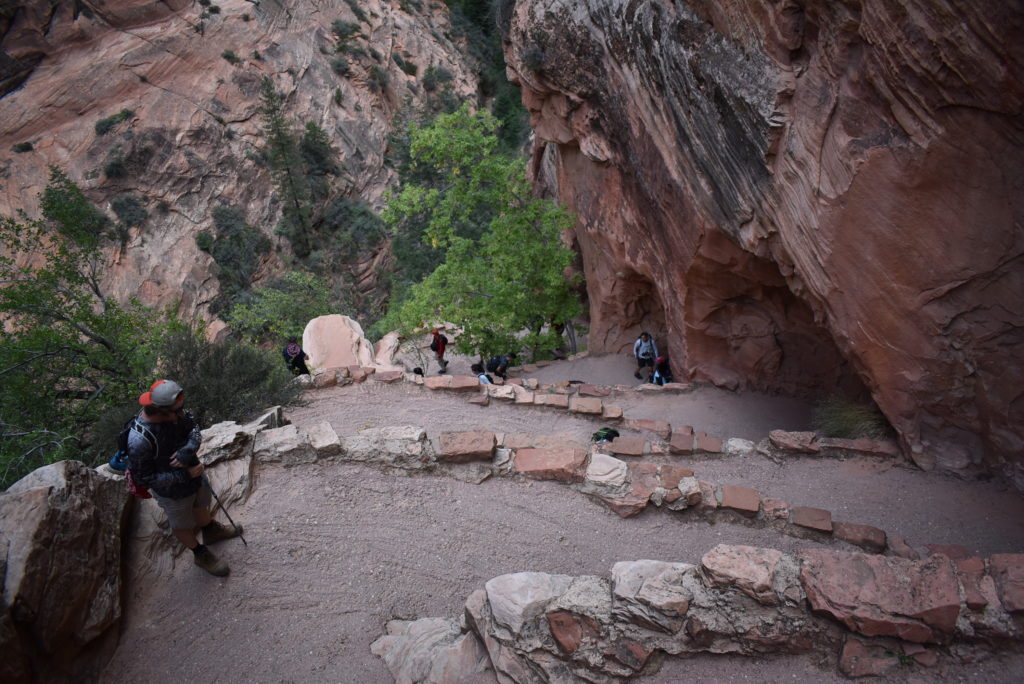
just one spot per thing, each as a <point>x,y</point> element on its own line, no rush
<point>435,76</point>
<point>114,166</point>
<point>104,126</point>
<point>129,210</point>
<point>378,78</point>
<point>340,65</point>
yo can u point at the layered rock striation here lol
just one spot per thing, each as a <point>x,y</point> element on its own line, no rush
<point>799,196</point>
<point>192,138</point>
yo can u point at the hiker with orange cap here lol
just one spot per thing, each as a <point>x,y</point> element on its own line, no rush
<point>162,446</point>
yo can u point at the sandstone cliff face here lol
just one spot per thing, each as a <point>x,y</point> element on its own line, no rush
<point>194,139</point>
<point>800,196</point>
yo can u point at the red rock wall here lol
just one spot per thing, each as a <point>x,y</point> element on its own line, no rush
<point>800,196</point>
<point>196,136</point>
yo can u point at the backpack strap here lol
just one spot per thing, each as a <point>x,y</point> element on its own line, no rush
<point>146,433</point>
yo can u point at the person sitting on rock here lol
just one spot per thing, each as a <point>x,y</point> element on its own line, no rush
<point>499,364</point>
<point>295,358</point>
<point>484,378</point>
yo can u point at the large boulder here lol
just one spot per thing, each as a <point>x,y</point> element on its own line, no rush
<point>60,555</point>
<point>385,351</point>
<point>336,341</point>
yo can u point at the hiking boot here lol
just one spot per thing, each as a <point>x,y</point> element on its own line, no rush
<point>636,375</point>
<point>211,564</point>
<point>215,532</point>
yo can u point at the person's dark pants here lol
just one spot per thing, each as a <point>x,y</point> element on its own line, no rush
<point>298,367</point>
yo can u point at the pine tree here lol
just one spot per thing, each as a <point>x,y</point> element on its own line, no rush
<point>319,158</point>
<point>288,169</point>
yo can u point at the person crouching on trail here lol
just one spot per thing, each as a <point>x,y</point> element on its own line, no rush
<point>499,364</point>
<point>645,352</point>
<point>162,448</point>
<point>662,371</point>
<point>295,358</point>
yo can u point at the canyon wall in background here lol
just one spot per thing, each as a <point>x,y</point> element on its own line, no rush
<point>800,196</point>
<point>194,140</point>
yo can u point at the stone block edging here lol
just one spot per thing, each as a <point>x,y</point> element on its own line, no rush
<point>736,599</point>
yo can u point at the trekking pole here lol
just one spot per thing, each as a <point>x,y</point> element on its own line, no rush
<point>223,508</point>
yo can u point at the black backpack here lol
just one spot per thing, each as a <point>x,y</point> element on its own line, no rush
<point>433,342</point>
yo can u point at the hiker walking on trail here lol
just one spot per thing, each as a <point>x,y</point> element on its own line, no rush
<point>438,343</point>
<point>499,364</point>
<point>295,357</point>
<point>645,352</point>
<point>162,446</point>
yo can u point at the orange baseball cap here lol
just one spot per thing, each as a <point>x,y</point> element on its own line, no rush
<point>162,393</point>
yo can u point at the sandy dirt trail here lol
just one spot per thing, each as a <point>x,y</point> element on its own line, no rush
<point>338,549</point>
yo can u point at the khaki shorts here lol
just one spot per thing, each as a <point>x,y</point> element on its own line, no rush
<point>181,512</point>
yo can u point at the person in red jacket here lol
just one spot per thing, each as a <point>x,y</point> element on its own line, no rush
<point>438,345</point>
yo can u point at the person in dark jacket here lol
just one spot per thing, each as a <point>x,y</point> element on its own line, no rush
<point>499,364</point>
<point>295,357</point>
<point>162,446</point>
<point>662,371</point>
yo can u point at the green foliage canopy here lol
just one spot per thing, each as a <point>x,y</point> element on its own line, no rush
<point>504,262</point>
<point>282,309</point>
<point>73,359</point>
<point>226,380</point>
<point>236,248</point>
<point>69,350</point>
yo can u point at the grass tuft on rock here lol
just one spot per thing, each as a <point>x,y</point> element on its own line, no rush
<point>838,417</point>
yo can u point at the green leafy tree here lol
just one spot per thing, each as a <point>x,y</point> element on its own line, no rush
<point>438,197</point>
<point>67,209</point>
<point>70,351</point>
<point>236,248</point>
<point>283,308</point>
<point>288,169</point>
<point>504,263</point>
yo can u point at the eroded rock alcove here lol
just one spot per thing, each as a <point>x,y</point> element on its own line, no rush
<point>816,196</point>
